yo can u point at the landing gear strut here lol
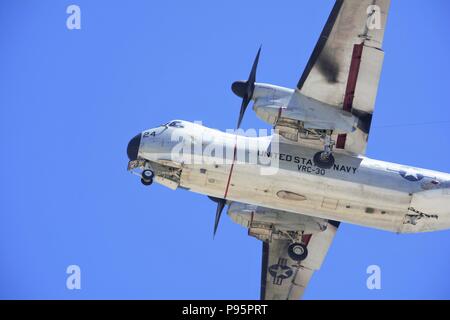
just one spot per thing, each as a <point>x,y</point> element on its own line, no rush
<point>325,159</point>
<point>147,177</point>
<point>297,251</point>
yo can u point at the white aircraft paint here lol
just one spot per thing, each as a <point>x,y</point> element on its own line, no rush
<point>356,190</point>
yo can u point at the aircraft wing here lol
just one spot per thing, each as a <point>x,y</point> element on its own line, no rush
<point>285,279</point>
<point>345,66</point>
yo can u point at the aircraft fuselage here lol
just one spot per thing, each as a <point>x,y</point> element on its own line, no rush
<point>283,176</point>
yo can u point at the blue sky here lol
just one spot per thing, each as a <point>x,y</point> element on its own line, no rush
<point>70,100</point>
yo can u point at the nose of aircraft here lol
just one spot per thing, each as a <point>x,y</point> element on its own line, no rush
<point>133,147</point>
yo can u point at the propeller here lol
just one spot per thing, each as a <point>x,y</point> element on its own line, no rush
<point>245,89</point>
<point>220,205</point>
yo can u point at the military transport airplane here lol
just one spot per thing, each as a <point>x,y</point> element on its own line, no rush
<point>291,189</point>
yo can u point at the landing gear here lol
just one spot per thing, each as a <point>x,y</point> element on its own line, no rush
<point>147,174</point>
<point>147,177</point>
<point>297,251</point>
<point>146,182</point>
<point>325,159</point>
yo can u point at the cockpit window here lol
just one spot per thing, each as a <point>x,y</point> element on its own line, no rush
<point>176,124</point>
<point>155,131</point>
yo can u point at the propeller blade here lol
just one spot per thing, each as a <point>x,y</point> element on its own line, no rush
<point>220,205</point>
<point>245,89</point>
<point>244,105</point>
<point>214,199</point>
<point>252,77</point>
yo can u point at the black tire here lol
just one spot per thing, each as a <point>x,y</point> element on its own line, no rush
<point>323,163</point>
<point>147,182</point>
<point>147,174</point>
<point>297,251</point>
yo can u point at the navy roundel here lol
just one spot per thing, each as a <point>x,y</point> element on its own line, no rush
<point>280,271</point>
<point>411,175</point>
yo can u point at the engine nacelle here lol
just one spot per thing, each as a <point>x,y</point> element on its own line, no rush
<point>273,102</point>
<point>268,99</point>
<point>268,221</point>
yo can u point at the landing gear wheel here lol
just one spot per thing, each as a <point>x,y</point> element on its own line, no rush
<point>147,174</point>
<point>147,182</point>
<point>297,251</point>
<point>147,177</point>
<point>323,162</point>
